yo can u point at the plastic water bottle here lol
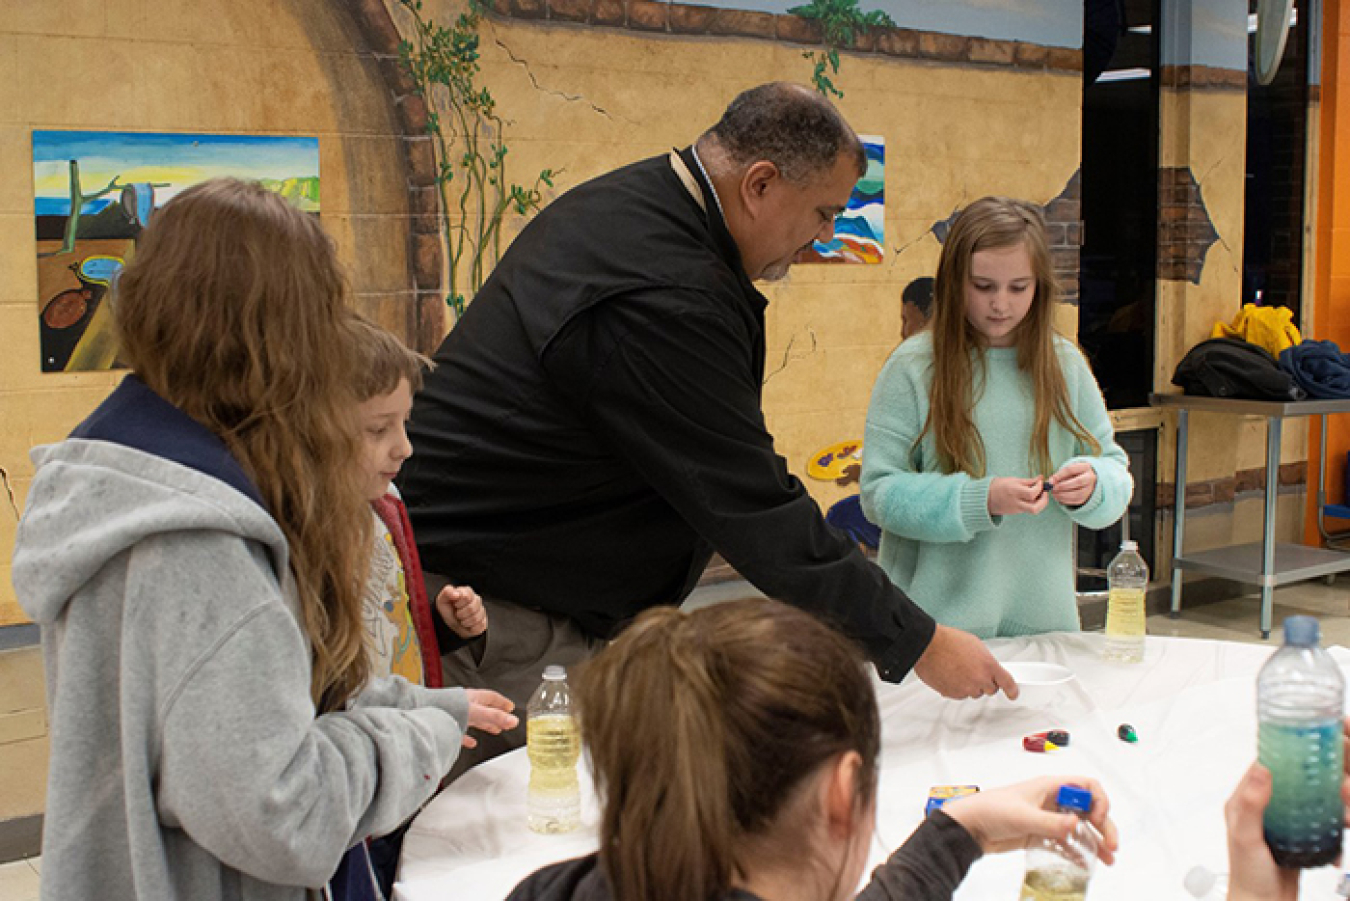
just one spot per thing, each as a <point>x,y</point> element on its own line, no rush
<point>1300,699</point>
<point>1126,611</point>
<point>1060,871</point>
<point>554,744</point>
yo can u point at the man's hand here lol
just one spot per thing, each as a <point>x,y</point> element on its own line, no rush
<point>489,712</point>
<point>463,611</point>
<point>958,665</point>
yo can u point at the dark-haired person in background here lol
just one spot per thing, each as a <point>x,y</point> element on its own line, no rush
<point>593,430</point>
<point>916,306</point>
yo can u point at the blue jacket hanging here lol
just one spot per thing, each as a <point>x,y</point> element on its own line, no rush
<point>1319,368</point>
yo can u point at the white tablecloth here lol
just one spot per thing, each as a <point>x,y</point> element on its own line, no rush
<point>1192,703</point>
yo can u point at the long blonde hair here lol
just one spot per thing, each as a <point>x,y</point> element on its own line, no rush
<point>702,726</point>
<point>993,223</point>
<point>235,311</point>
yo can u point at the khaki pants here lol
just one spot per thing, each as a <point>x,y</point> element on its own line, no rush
<point>510,659</point>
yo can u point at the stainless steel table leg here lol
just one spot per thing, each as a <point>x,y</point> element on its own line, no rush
<point>1179,507</point>
<point>1274,426</point>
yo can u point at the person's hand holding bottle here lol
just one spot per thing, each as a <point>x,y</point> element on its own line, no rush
<point>1252,871</point>
<point>1008,818</point>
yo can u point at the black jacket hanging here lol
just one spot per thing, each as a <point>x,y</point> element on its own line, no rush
<point>1228,367</point>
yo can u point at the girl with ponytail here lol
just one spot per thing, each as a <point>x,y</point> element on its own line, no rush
<point>735,751</point>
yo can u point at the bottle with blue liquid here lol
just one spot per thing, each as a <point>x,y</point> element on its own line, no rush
<point>1300,700</point>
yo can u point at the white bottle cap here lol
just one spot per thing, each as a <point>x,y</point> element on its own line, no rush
<point>555,673</point>
<point>1199,881</point>
<point>1129,545</point>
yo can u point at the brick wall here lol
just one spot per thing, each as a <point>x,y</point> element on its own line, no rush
<point>651,16</point>
<point>1185,232</point>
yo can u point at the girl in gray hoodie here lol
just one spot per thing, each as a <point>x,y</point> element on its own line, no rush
<point>194,554</point>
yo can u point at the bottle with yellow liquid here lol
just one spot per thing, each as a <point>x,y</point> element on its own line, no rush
<point>553,743</point>
<point>1126,608</point>
<point>1060,871</point>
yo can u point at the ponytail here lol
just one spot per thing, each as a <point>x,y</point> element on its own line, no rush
<point>699,728</point>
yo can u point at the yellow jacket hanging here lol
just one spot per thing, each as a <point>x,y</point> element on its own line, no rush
<point>1269,327</point>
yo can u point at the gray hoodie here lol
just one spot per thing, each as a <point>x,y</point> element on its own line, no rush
<point>187,760</point>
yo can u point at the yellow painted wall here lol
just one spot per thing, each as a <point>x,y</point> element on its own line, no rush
<point>218,66</point>
<point>583,101</point>
<point>228,66</point>
<point>589,100</point>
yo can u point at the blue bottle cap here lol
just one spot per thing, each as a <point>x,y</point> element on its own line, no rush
<point>1302,631</point>
<point>1071,797</point>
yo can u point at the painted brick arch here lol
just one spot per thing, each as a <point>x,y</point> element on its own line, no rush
<point>425,257</point>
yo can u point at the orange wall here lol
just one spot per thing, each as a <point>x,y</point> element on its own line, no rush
<point>1331,278</point>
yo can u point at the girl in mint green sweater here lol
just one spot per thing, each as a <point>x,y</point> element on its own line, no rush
<point>987,438</point>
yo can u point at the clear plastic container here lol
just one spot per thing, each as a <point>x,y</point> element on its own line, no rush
<point>1060,871</point>
<point>1300,701</point>
<point>1126,608</point>
<point>553,742</point>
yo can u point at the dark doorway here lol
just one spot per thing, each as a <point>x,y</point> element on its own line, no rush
<point>1277,123</point>
<point>1118,264</point>
<point>1096,549</point>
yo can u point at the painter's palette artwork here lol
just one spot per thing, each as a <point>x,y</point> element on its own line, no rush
<point>859,230</point>
<point>94,192</point>
<point>840,463</point>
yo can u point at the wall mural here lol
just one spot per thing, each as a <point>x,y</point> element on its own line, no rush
<point>93,194</point>
<point>859,231</point>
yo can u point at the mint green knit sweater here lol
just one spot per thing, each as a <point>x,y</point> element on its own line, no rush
<point>989,575</point>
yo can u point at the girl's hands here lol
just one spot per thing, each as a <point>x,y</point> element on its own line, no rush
<point>1009,496</point>
<point>1009,818</point>
<point>489,712</point>
<point>1073,485</point>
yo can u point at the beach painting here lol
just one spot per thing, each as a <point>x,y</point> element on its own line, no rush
<point>94,191</point>
<point>859,229</point>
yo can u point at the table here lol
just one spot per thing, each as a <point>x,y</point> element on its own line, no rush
<point>1266,563</point>
<point>1192,702</point>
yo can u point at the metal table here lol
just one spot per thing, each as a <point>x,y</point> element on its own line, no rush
<point>1266,563</point>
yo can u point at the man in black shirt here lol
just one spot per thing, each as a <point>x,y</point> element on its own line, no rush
<point>593,430</point>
